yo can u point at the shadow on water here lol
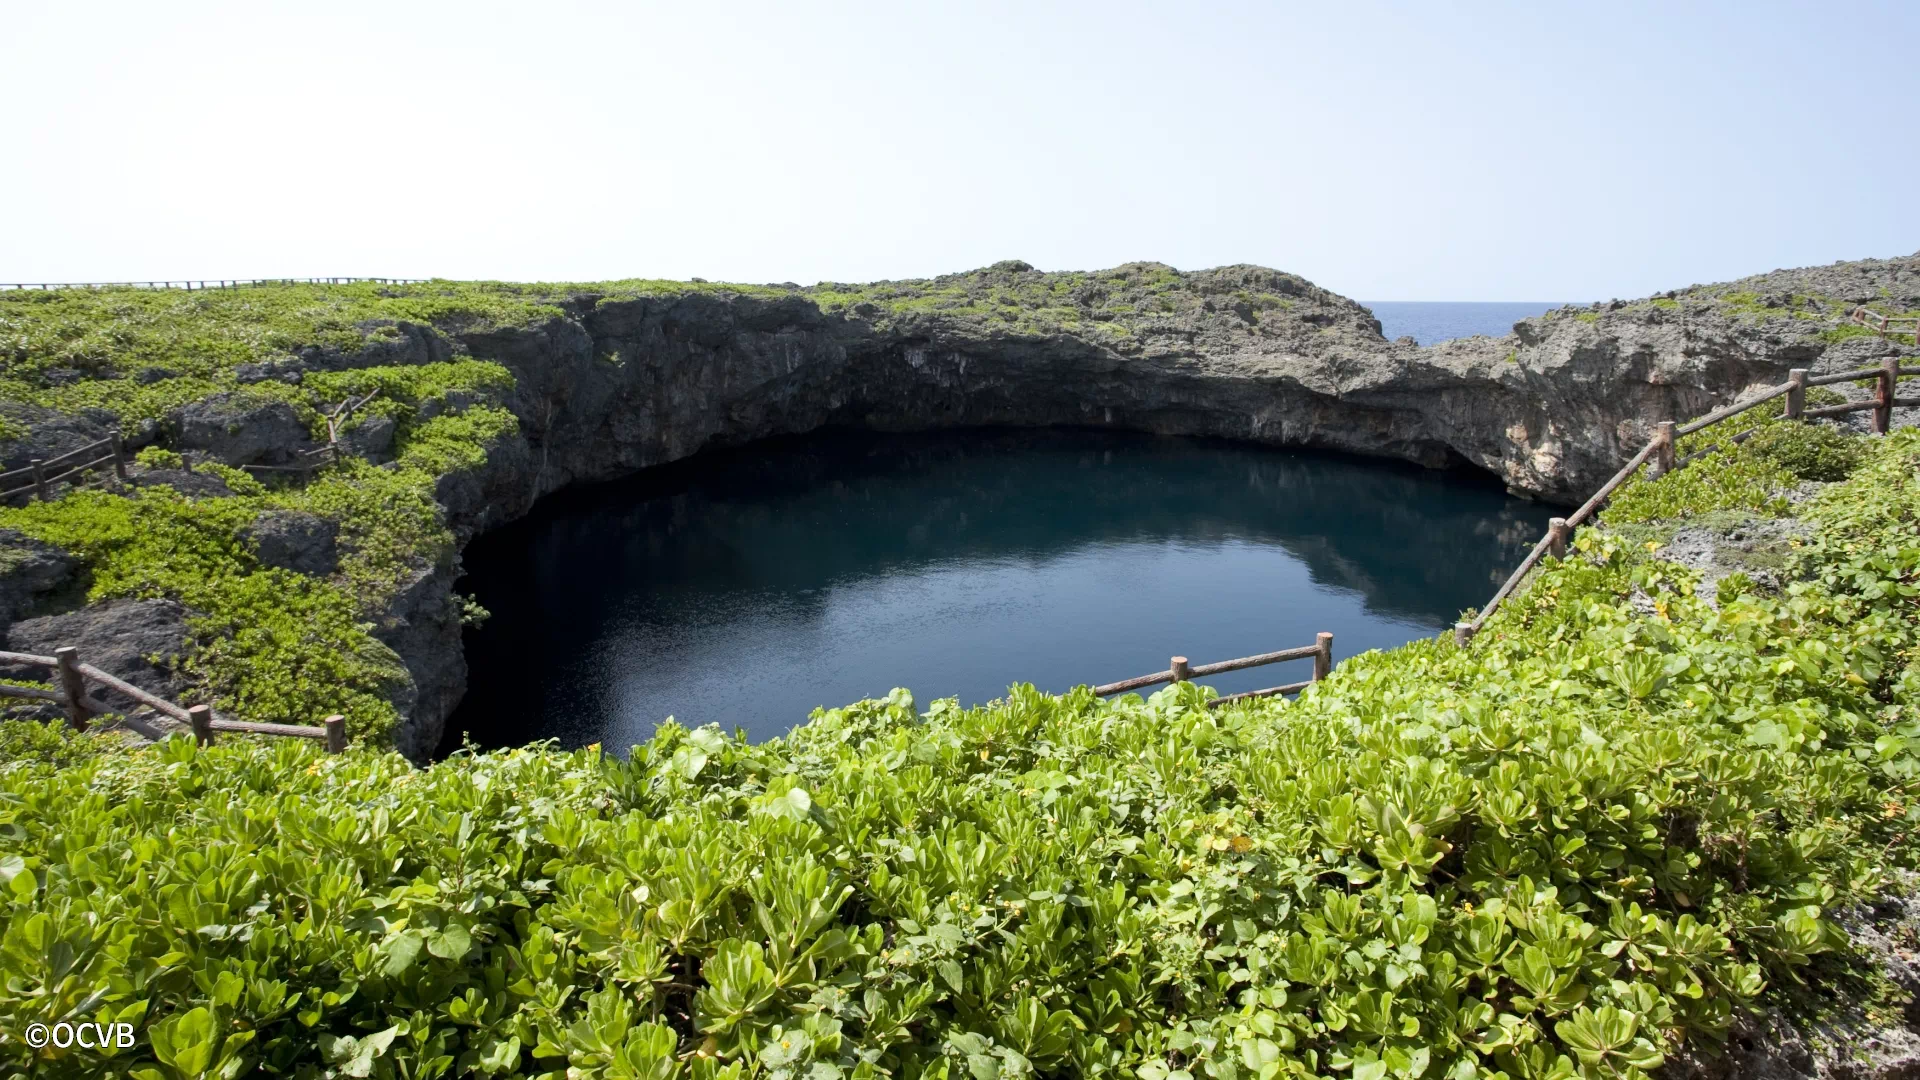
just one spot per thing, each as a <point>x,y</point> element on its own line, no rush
<point>750,586</point>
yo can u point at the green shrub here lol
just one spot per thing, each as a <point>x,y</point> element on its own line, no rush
<point>1809,451</point>
<point>270,644</point>
<point>1754,476</point>
<point>1608,826</point>
<point>154,457</point>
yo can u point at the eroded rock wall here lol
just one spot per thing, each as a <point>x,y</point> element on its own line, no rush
<point>620,382</point>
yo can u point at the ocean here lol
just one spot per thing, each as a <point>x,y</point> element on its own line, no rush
<point>1429,322</point>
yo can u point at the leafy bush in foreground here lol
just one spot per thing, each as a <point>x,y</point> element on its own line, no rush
<point>1607,827</point>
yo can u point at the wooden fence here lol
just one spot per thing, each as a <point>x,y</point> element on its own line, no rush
<point>224,283</point>
<point>73,677</point>
<point>1886,324</point>
<point>1658,454</point>
<point>37,480</point>
<point>39,477</point>
<point>1179,670</point>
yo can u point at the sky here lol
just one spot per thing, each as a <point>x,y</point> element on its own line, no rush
<point>1387,151</point>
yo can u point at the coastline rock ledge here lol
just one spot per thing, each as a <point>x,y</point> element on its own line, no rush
<point>610,379</point>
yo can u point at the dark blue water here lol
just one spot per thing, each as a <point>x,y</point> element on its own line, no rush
<point>1429,322</point>
<point>750,587</point>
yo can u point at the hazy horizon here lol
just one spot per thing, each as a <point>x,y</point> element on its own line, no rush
<point>1466,153</point>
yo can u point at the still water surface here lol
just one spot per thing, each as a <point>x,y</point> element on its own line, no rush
<point>746,588</point>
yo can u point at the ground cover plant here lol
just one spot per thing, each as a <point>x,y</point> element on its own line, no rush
<point>272,644</point>
<point>1629,811</point>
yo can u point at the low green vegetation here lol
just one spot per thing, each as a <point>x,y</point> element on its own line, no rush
<point>1758,475</point>
<point>1630,811</point>
<point>1118,301</point>
<point>144,352</point>
<point>272,644</point>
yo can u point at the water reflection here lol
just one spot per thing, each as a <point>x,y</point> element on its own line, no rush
<point>748,588</point>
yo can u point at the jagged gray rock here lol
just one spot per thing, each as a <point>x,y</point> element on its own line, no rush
<point>1851,1037</point>
<point>616,383</point>
<point>371,438</point>
<point>31,574</point>
<point>137,640</point>
<point>292,540</point>
<point>422,627</point>
<point>236,431</point>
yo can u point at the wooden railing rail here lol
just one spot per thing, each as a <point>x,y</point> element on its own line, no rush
<point>1886,324</point>
<point>40,479</point>
<point>1660,451</point>
<point>305,461</point>
<point>73,677</point>
<point>1178,670</point>
<point>219,283</point>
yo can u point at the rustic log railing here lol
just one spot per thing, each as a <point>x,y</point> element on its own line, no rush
<point>1886,324</point>
<point>223,283</point>
<point>36,481</point>
<point>304,461</point>
<point>72,676</point>
<point>1659,456</point>
<point>1179,670</point>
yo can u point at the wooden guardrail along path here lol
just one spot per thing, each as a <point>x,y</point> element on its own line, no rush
<point>36,481</point>
<point>1886,324</point>
<point>72,676</point>
<point>1179,670</point>
<point>1659,456</point>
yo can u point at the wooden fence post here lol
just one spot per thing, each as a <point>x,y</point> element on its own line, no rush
<point>1796,397</point>
<point>72,686</point>
<point>1322,660</point>
<point>119,457</point>
<point>1462,633</point>
<point>39,479</point>
<point>1883,403</point>
<point>1181,672</point>
<point>202,719</point>
<point>336,734</point>
<point>1558,533</point>
<point>1663,458</point>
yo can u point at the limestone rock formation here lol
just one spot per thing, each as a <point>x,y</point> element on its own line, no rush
<point>610,380</point>
<point>136,640</point>
<point>295,541</point>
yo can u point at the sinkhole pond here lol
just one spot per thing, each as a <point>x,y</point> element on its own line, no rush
<point>749,586</point>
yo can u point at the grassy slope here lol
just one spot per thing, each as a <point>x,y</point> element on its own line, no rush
<point>1623,815</point>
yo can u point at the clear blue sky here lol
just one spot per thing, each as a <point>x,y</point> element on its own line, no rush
<point>1412,151</point>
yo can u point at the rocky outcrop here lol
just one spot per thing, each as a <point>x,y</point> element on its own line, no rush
<point>137,640</point>
<point>231,429</point>
<point>422,627</point>
<point>32,575</point>
<point>1858,1020</point>
<point>290,540</point>
<point>610,383</point>
<point>1569,395</point>
<point>619,384</point>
